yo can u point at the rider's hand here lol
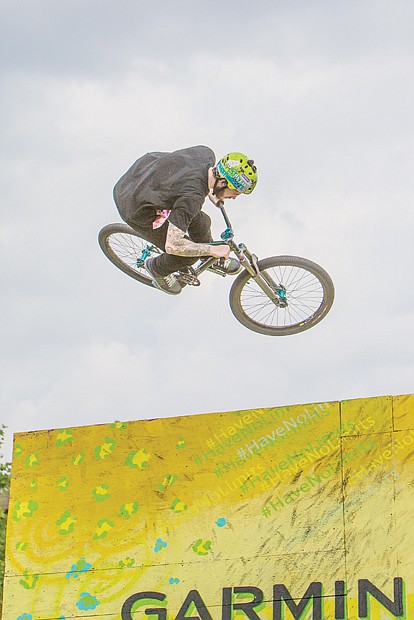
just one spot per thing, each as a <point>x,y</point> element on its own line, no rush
<point>220,251</point>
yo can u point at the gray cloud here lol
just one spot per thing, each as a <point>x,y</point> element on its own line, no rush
<point>100,37</point>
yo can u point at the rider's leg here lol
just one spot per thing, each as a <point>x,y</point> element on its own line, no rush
<point>199,231</point>
<point>157,237</point>
<point>167,263</point>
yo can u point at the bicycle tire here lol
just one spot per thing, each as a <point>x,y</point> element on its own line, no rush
<point>123,246</point>
<point>305,282</point>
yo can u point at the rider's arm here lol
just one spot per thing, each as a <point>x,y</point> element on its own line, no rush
<point>176,243</point>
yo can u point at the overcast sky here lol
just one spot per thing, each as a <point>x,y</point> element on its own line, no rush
<point>319,93</point>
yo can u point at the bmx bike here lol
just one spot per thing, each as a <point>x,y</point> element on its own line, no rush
<point>276,296</point>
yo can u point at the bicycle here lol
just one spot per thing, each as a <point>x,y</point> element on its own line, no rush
<point>276,296</point>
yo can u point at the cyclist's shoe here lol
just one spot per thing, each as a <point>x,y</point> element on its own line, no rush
<point>230,266</point>
<point>169,284</point>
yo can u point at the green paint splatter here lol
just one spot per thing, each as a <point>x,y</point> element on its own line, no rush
<point>101,493</point>
<point>126,563</point>
<point>104,526</point>
<point>63,484</point>
<point>104,450</point>
<point>180,444</point>
<point>21,546</point>
<point>18,450</point>
<point>64,436</point>
<point>120,426</point>
<point>178,506</point>
<point>138,458</point>
<point>127,510</point>
<point>78,458</point>
<point>24,510</point>
<point>202,547</point>
<point>167,482</point>
<point>29,582</point>
<point>32,460</point>
<point>66,522</point>
<point>33,484</point>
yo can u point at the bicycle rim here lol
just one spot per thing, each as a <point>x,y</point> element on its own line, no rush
<point>309,295</point>
<point>124,248</point>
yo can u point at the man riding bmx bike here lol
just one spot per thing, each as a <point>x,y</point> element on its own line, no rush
<point>161,196</point>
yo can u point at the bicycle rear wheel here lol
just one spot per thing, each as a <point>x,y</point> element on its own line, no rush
<point>309,293</point>
<point>126,250</point>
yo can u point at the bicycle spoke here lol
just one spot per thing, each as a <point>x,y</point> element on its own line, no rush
<point>128,248</point>
<point>304,296</point>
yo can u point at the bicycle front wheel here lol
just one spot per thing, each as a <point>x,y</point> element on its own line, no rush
<point>309,295</point>
<point>126,249</point>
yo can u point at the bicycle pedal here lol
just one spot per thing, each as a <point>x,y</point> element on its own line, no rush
<point>188,278</point>
<point>221,271</point>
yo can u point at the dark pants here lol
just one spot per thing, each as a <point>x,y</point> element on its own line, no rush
<point>199,231</point>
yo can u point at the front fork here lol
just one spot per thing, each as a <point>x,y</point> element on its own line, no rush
<point>275,292</point>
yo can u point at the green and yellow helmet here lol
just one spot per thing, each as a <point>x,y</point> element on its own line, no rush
<point>239,172</point>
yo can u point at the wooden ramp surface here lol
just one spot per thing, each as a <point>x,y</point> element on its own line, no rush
<point>302,512</point>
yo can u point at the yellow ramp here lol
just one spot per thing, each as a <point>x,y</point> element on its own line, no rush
<point>303,512</point>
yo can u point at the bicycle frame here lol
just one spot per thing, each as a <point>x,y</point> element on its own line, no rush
<point>275,292</point>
